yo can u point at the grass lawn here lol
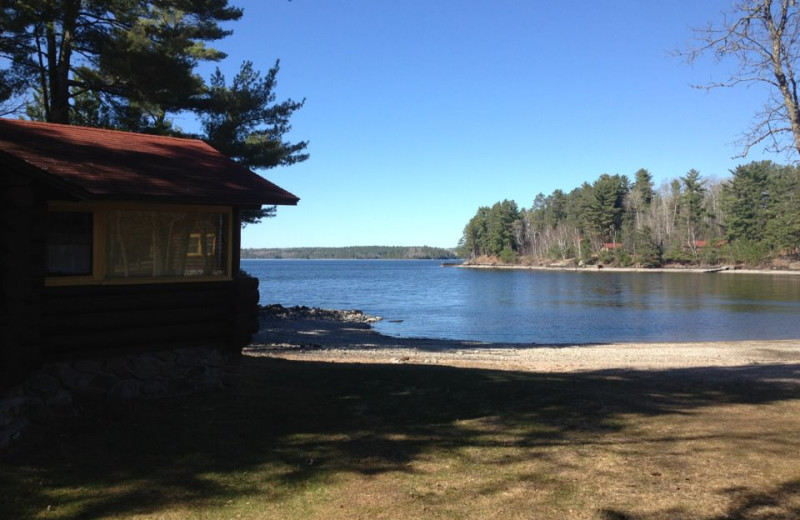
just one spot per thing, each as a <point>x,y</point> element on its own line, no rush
<point>319,441</point>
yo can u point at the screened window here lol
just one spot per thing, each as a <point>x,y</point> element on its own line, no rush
<point>69,243</point>
<point>148,243</point>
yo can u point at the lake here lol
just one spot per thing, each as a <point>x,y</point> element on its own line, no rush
<point>419,298</point>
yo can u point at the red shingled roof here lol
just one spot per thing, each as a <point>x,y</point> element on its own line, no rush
<point>97,164</point>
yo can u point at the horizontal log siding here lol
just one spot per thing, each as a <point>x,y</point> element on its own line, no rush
<point>91,321</point>
<point>40,324</point>
<point>22,268</point>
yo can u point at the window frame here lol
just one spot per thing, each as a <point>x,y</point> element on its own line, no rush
<point>99,211</point>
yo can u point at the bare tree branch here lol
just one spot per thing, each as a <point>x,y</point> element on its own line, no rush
<point>11,107</point>
<point>762,38</point>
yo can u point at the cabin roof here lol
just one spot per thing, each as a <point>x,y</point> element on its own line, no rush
<point>99,164</point>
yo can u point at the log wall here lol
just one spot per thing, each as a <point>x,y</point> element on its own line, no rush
<point>124,342</point>
<point>91,321</point>
<point>104,341</point>
<point>96,321</point>
<point>41,324</point>
<point>23,214</point>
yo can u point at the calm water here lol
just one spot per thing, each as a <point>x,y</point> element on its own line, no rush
<point>541,307</point>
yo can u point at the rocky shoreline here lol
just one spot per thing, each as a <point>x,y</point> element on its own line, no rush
<point>309,334</point>
<point>490,262</point>
<point>301,312</point>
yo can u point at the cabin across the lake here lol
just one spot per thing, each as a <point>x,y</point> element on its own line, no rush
<point>120,258</point>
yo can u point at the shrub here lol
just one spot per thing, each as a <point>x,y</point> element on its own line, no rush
<point>749,252</point>
<point>710,255</point>
<point>586,251</point>
<point>622,258</point>
<point>605,257</point>
<point>508,256</point>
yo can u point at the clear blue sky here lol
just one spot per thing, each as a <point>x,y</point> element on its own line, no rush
<point>418,112</point>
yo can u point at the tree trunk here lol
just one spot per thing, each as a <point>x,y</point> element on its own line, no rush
<point>788,92</point>
<point>59,56</point>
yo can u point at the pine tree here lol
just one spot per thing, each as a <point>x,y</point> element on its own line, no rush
<point>244,122</point>
<point>136,59</point>
<point>746,199</point>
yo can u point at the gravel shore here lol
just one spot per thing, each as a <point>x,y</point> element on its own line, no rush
<point>347,337</point>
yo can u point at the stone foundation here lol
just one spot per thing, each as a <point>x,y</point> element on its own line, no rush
<point>56,388</point>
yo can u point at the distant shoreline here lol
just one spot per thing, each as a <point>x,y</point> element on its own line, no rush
<point>350,253</point>
<point>341,259</point>
<point>456,262</point>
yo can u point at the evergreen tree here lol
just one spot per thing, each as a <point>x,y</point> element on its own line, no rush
<point>782,230</point>
<point>746,199</point>
<point>603,210</point>
<point>693,205</point>
<point>641,196</point>
<point>502,217</point>
<point>129,65</point>
<point>474,240</point>
<point>136,59</point>
<point>648,251</point>
<point>643,187</point>
<point>492,231</point>
<point>244,122</point>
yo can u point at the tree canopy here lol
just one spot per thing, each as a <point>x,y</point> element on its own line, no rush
<point>131,65</point>
<point>244,122</point>
<point>750,218</point>
<point>136,59</point>
<point>492,231</point>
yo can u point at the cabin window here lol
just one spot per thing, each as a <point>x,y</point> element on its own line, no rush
<point>111,243</point>
<point>165,243</point>
<point>69,243</point>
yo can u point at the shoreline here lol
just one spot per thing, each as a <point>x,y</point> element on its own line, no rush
<point>305,334</point>
<point>601,269</point>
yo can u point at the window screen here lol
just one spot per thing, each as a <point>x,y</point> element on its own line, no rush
<point>165,243</point>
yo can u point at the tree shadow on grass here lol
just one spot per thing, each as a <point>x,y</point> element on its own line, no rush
<point>779,503</point>
<point>293,423</point>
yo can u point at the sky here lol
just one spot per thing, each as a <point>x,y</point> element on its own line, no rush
<point>418,112</point>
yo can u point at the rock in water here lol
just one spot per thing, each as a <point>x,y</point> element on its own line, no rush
<point>302,312</point>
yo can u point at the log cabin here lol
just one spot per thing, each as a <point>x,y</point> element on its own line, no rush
<point>115,245</point>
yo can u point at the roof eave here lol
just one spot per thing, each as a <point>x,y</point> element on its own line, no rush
<point>44,177</point>
<point>59,184</point>
<point>203,201</point>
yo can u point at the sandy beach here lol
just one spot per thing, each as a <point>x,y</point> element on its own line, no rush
<point>347,337</point>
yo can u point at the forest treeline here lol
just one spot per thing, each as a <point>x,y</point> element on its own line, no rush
<point>750,218</point>
<point>353,252</point>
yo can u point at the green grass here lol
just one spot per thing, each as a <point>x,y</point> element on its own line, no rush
<point>316,440</point>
